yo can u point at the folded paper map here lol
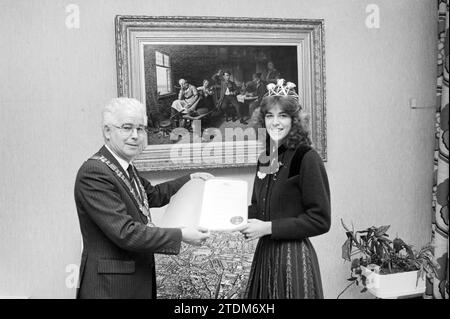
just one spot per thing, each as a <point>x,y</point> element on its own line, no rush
<point>218,204</point>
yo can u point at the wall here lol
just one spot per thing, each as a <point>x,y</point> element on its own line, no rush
<point>54,81</point>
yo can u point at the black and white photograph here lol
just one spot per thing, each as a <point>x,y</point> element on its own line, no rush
<point>224,156</point>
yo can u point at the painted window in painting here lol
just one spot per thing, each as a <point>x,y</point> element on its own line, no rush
<point>163,73</point>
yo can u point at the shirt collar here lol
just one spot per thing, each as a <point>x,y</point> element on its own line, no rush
<point>121,161</point>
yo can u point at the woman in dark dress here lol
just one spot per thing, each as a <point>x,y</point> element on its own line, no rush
<point>290,203</point>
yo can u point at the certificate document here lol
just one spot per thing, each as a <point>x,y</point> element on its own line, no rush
<point>218,204</point>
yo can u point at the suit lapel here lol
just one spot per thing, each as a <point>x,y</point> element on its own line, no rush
<point>106,153</point>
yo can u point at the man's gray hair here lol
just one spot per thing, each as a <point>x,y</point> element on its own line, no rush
<point>110,110</point>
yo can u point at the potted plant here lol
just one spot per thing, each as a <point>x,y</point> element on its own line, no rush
<point>386,268</point>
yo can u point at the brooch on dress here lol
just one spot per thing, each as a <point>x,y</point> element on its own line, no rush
<point>261,175</point>
<point>267,169</point>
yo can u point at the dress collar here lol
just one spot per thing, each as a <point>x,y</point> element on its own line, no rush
<point>281,149</point>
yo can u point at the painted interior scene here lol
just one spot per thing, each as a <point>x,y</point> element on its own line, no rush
<point>218,85</point>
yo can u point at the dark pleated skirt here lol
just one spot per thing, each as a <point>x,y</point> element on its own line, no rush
<point>284,270</point>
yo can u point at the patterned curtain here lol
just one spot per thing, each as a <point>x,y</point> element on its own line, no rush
<point>439,287</point>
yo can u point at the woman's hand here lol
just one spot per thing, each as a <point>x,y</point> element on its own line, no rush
<point>256,228</point>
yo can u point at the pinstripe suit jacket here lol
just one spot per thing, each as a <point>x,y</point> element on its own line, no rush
<point>117,259</point>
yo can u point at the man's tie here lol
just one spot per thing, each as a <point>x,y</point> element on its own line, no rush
<point>133,180</point>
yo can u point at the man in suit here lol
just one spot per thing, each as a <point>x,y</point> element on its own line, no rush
<point>261,90</point>
<point>228,92</point>
<point>119,238</point>
<point>272,74</point>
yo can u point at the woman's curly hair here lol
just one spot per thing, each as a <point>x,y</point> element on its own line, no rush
<point>299,132</point>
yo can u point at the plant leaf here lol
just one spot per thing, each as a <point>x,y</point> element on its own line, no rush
<point>381,230</point>
<point>379,249</point>
<point>347,249</point>
<point>343,225</point>
<point>372,246</point>
<point>398,244</point>
<point>409,251</point>
<point>355,263</point>
<point>386,245</point>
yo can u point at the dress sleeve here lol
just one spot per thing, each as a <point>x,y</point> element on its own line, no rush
<point>316,216</point>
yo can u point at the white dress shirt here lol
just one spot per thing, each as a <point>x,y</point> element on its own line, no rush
<point>121,161</point>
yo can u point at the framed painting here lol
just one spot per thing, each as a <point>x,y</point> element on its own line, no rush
<point>177,67</point>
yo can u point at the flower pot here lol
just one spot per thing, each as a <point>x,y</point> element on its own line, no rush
<point>394,285</point>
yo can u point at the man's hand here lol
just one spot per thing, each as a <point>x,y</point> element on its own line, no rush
<point>255,229</point>
<point>202,175</point>
<point>194,235</point>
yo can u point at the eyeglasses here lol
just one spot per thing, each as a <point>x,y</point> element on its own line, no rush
<point>127,129</point>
